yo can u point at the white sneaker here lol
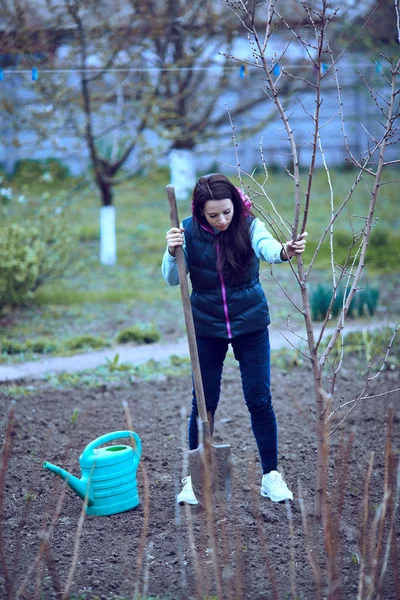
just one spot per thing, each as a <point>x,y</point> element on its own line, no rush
<point>187,493</point>
<point>273,487</point>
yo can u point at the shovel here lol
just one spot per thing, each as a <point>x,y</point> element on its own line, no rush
<point>210,466</point>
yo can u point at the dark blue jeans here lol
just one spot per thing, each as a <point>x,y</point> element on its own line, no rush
<point>253,354</point>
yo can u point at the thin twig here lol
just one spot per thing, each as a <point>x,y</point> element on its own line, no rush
<point>364,530</point>
<point>312,559</point>
<point>5,459</point>
<point>75,554</point>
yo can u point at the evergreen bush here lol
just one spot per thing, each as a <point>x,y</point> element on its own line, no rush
<point>29,170</point>
<point>364,303</point>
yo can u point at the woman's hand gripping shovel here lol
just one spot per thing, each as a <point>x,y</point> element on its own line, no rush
<point>210,466</point>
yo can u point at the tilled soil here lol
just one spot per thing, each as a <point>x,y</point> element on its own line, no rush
<point>260,549</point>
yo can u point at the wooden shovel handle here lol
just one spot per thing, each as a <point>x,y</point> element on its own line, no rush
<point>187,309</point>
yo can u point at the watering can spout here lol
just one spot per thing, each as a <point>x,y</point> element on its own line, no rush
<point>80,487</point>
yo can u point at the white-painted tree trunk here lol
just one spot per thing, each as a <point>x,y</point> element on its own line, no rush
<point>108,242</point>
<point>182,166</point>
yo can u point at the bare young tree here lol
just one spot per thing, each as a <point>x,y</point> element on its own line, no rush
<point>112,99</point>
<point>98,100</point>
<point>191,43</point>
<point>259,20</point>
<point>114,74</point>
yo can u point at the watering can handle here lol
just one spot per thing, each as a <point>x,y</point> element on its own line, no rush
<point>115,435</point>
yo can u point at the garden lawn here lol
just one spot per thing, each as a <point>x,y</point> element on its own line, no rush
<point>100,301</point>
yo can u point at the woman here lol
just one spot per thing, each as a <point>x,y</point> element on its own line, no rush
<point>223,243</point>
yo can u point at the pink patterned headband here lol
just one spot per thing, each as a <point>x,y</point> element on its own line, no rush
<point>247,204</point>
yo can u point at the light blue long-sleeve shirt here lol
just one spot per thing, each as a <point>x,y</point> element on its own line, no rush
<point>265,246</point>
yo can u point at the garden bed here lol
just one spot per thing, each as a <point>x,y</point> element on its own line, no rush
<point>147,550</point>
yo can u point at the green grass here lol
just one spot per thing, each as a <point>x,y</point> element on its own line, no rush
<point>103,300</point>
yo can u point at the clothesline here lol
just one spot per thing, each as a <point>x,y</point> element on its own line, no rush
<point>242,68</point>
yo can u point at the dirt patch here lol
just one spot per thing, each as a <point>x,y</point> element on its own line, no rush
<point>257,555</point>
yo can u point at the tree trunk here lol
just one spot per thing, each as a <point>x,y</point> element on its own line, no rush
<point>105,190</point>
<point>108,244</point>
<point>320,479</point>
<point>183,172</point>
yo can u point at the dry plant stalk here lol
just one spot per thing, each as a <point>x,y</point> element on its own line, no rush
<point>236,539</point>
<point>379,538</point>
<point>44,552</point>
<point>46,541</point>
<point>293,587</point>
<point>188,514</point>
<point>310,545</point>
<point>319,19</point>
<point>262,537</point>
<point>5,458</point>
<point>75,554</point>
<point>146,509</point>
<point>210,522</point>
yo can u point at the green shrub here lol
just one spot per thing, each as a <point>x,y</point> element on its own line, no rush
<point>139,334</point>
<point>342,239</point>
<point>380,237</point>
<point>89,233</point>
<point>178,361</point>
<point>41,345</point>
<point>20,252</point>
<point>60,255</point>
<point>11,347</point>
<point>85,342</point>
<point>38,346</point>
<point>37,252</point>
<point>29,170</point>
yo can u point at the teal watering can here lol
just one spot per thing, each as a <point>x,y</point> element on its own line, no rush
<point>108,483</point>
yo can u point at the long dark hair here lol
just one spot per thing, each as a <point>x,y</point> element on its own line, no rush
<point>235,250</point>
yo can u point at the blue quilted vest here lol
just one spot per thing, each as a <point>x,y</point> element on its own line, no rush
<point>220,310</point>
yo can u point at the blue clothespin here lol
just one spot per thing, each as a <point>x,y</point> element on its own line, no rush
<point>1,75</point>
<point>378,67</point>
<point>324,68</point>
<point>35,74</point>
<point>276,70</point>
<point>242,71</point>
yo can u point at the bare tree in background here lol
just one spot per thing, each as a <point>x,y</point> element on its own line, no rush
<point>133,70</point>
<point>191,44</point>
<point>323,63</point>
<point>100,101</point>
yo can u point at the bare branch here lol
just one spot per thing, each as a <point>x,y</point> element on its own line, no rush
<point>397,9</point>
<point>368,226</point>
<point>390,162</point>
<point>363,395</point>
<point>285,292</point>
<point>386,355</point>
